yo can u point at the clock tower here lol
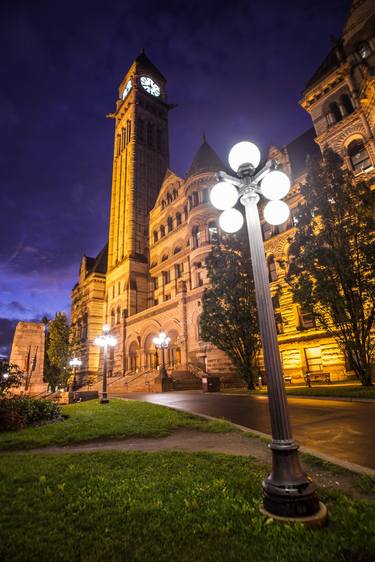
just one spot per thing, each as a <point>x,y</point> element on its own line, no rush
<point>140,160</point>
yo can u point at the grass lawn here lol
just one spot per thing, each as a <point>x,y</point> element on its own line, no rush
<point>90,420</point>
<point>344,391</point>
<point>158,507</point>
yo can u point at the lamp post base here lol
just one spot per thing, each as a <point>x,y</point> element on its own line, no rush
<point>288,491</point>
<point>317,520</point>
<point>104,400</point>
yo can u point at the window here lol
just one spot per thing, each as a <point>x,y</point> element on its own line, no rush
<point>186,212</point>
<point>276,301</point>
<point>165,257</point>
<point>118,315</point>
<point>306,319</point>
<point>205,196</point>
<point>123,138</point>
<point>279,323</point>
<point>113,319</point>
<point>166,277</point>
<point>178,270</point>
<point>178,219</point>
<point>156,302</point>
<point>313,359</point>
<point>155,282</point>
<point>170,223</point>
<point>272,273</point>
<point>347,103</point>
<point>119,288</point>
<point>162,231</point>
<point>128,131</point>
<point>195,198</point>
<point>167,297</point>
<point>196,236</point>
<point>335,111</point>
<point>156,236</point>
<point>198,279</point>
<point>212,232</point>
<point>267,230</point>
<point>169,198</point>
<point>358,155</point>
<point>364,50</point>
<point>177,249</point>
<point>175,194</point>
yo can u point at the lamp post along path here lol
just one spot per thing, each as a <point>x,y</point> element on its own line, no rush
<point>287,492</point>
<point>74,363</point>
<point>162,342</point>
<point>104,341</point>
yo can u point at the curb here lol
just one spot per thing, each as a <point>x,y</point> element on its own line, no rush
<point>305,396</point>
<point>357,468</point>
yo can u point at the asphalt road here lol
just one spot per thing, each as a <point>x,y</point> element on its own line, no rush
<point>342,429</point>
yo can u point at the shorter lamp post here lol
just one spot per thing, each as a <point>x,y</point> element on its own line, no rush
<point>287,492</point>
<point>74,363</point>
<point>162,342</point>
<point>104,341</point>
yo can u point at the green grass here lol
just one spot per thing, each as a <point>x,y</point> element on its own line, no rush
<point>162,507</point>
<point>118,419</point>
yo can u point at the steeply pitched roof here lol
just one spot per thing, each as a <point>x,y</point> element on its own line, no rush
<point>299,149</point>
<point>329,63</point>
<point>143,61</point>
<point>98,264</point>
<point>205,160</point>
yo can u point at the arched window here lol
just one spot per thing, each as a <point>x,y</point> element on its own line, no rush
<point>347,103</point>
<point>162,231</point>
<point>335,111</point>
<point>178,219</point>
<point>212,232</point>
<point>169,198</point>
<point>196,236</point>
<point>118,315</point>
<point>186,212</point>
<point>113,317</point>
<point>272,273</point>
<point>170,224</point>
<point>153,263</point>
<point>156,236</point>
<point>177,249</point>
<point>175,193</point>
<point>165,257</point>
<point>358,155</point>
<point>163,204</point>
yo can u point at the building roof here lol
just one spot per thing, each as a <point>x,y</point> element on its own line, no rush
<point>143,61</point>
<point>329,63</point>
<point>98,264</point>
<point>205,160</point>
<point>300,149</point>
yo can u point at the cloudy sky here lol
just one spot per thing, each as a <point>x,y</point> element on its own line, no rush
<point>235,70</point>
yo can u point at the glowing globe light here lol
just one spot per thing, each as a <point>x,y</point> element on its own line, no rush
<point>231,220</point>
<point>276,212</point>
<point>223,195</point>
<point>275,185</point>
<point>244,153</point>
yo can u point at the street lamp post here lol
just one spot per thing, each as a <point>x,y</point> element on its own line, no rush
<point>288,491</point>
<point>104,341</point>
<point>162,342</point>
<point>74,363</point>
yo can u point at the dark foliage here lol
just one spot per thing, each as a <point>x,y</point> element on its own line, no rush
<point>333,256</point>
<point>229,317</point>
<point>21,411</point>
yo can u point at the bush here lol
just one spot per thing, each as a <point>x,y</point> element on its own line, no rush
<point>20,411</point>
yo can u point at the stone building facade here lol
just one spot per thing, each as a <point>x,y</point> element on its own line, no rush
<point>153,274</point>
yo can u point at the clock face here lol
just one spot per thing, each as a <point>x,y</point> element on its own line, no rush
<point>150,86</point>
<point>127,89</point>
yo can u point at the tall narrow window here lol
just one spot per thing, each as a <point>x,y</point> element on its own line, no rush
<point>212,232</point>
<point>347,103</point>
<point>113,318</point>
<point>155,235</point>
<point>335,111</point>
<point>162,231</point>
<point>178,219</point>
<point>128,131</point>
<point>272,273</point>
<point>178,271</point>
<point>195,198</point>
<point>166,277</point>
<point>306,319</point>
<point>170,224</point>
<point>195,236</point>
<point>358,155</point>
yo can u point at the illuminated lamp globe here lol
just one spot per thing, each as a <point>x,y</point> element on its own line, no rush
<point>223,195</point>
<point>244,153</point>
<point>276,212</point>
<point>275,185</point>
<point>231,220</point>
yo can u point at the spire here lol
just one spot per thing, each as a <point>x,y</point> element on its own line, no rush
<point>145,65</point>
<point>205,160</point>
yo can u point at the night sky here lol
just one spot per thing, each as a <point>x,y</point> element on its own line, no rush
<point>235,70</point>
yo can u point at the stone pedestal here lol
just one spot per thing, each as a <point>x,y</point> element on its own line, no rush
<point>28,354</point>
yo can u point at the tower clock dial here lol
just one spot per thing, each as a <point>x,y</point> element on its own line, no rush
<point>150,86</point>
<point>127,89</point>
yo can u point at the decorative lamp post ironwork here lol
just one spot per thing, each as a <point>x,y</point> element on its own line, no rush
<point>288,491</point>
<point>74,363</point>
<point>104,341</point>
<point>162,342</point>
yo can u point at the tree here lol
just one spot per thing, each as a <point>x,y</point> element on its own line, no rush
<point>57,354</point>
<point>229,317</point>
<point>332,259</point>
<point>11,376</point>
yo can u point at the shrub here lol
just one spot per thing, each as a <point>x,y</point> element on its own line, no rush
<point>21,411</point>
